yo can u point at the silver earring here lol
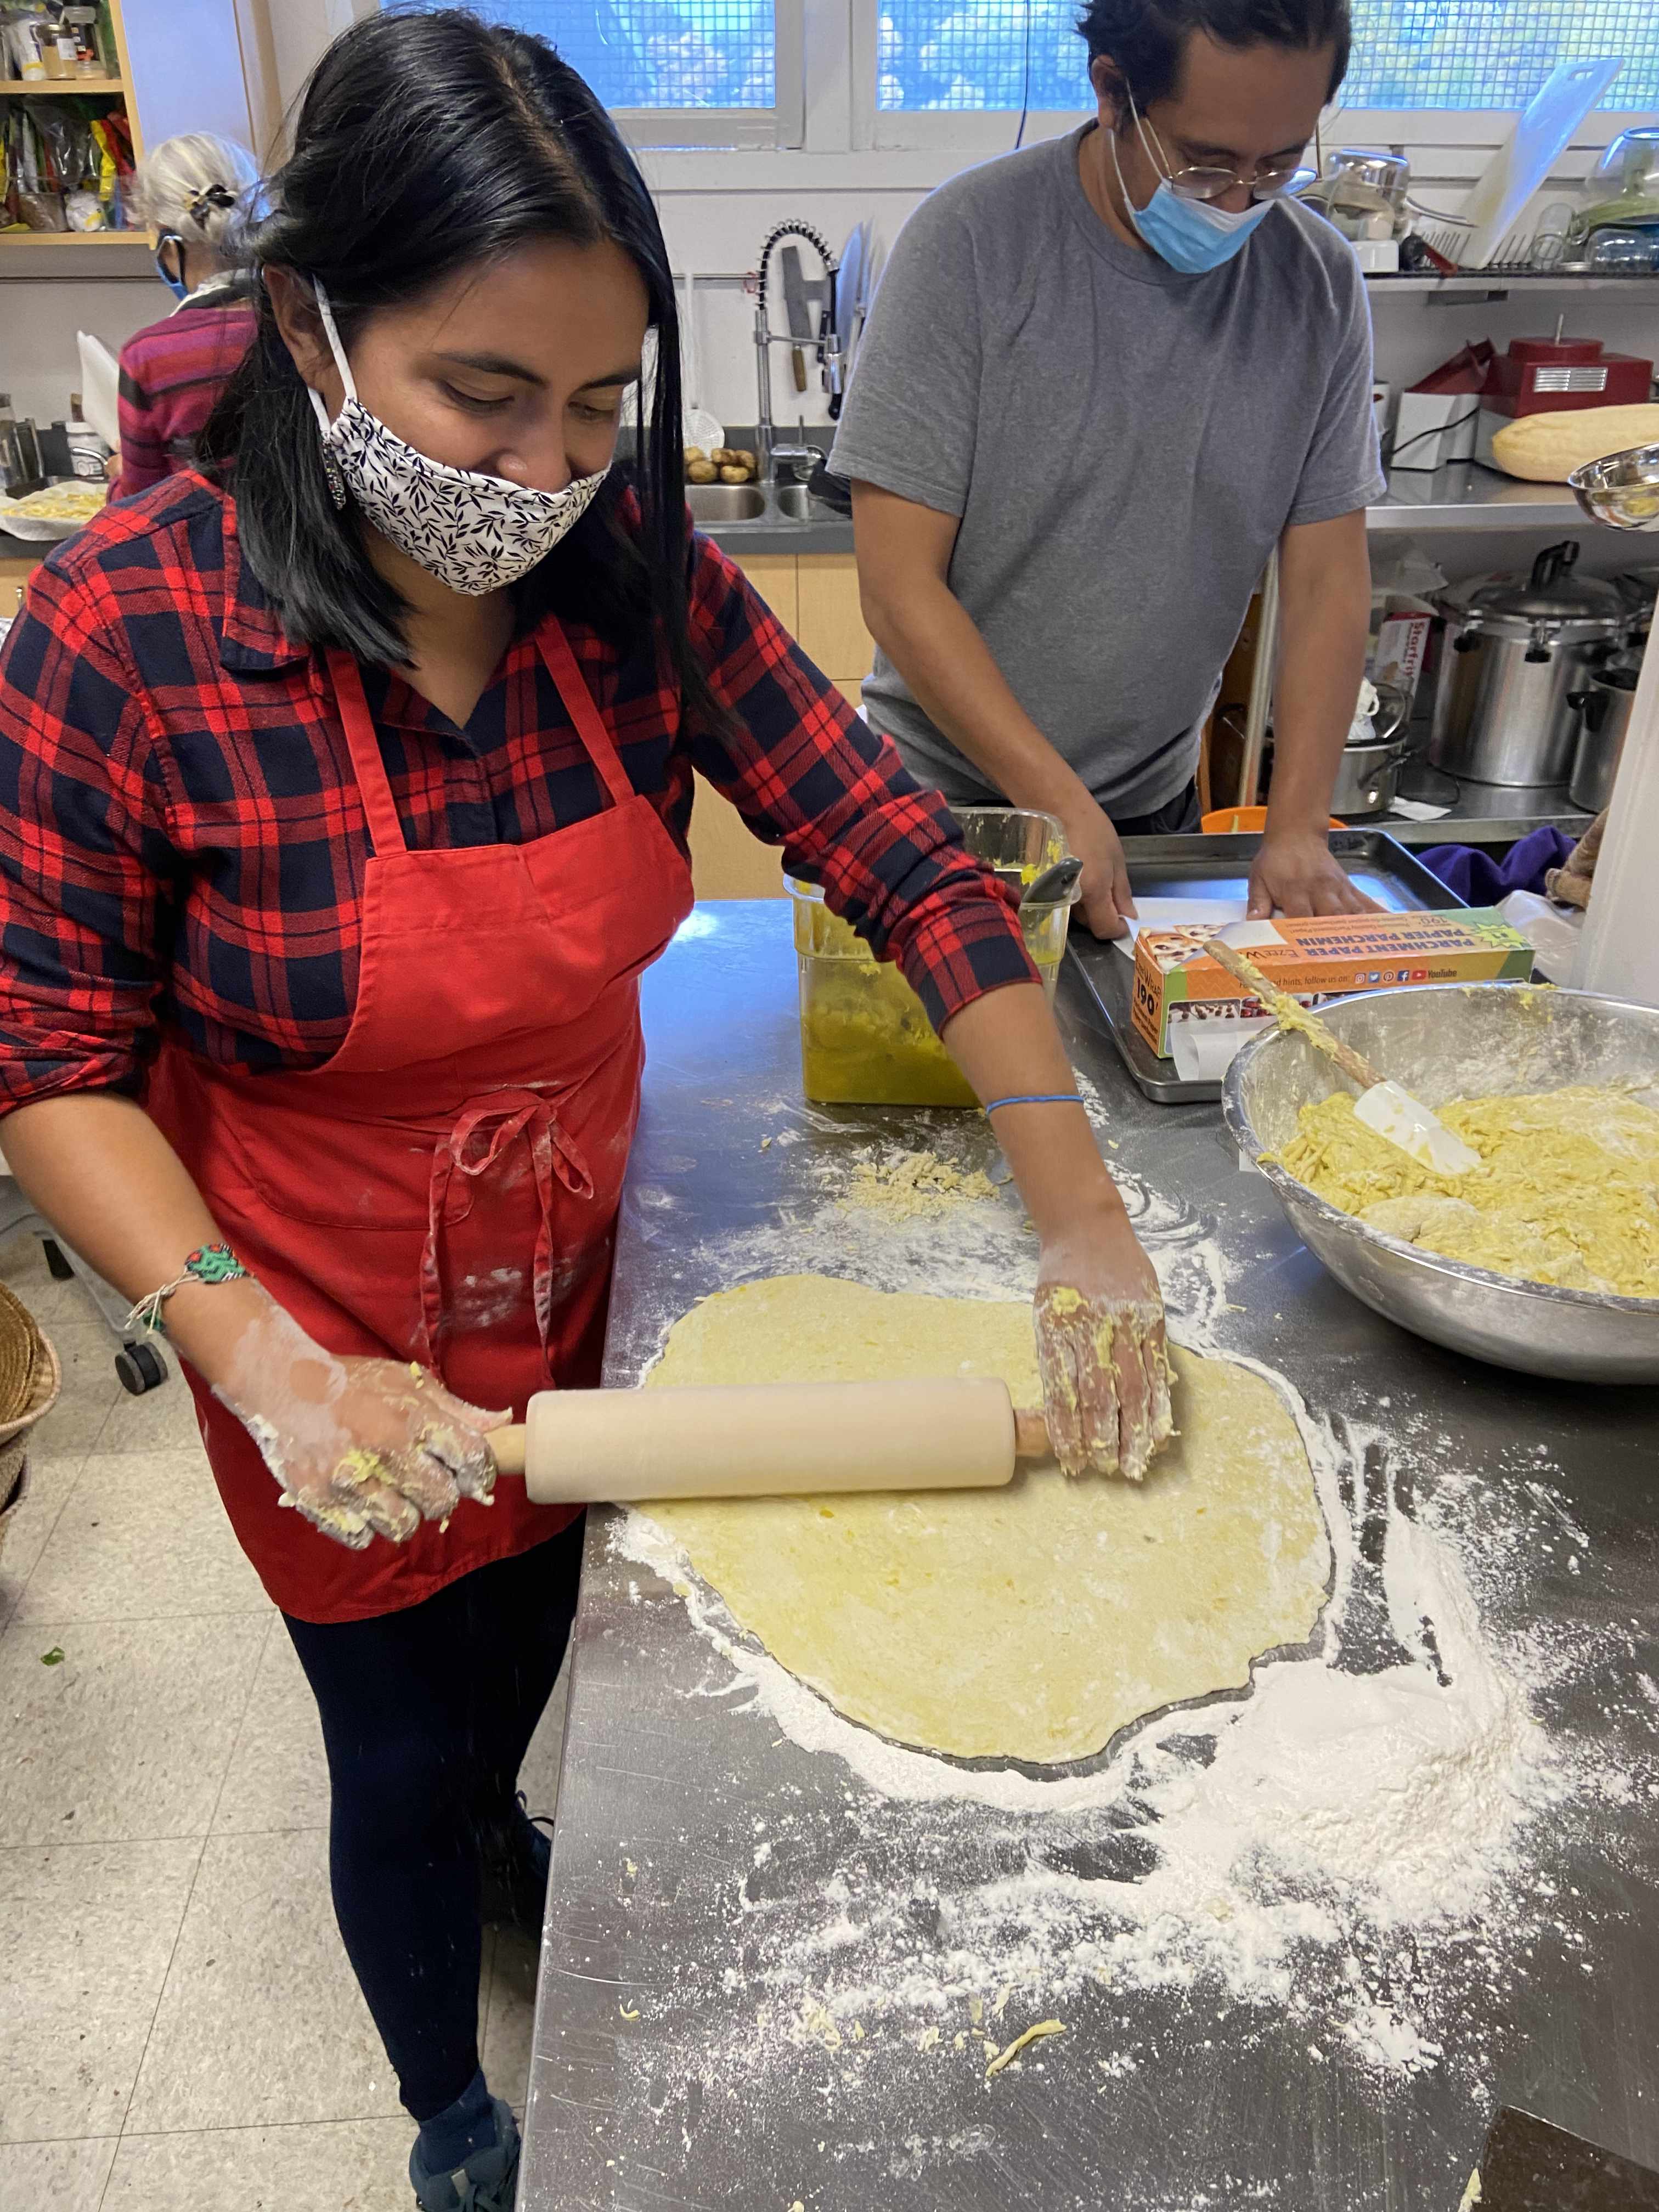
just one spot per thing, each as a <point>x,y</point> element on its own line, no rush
<point>337,482</point>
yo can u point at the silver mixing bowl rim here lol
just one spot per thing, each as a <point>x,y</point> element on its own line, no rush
<point>1244,1130</point>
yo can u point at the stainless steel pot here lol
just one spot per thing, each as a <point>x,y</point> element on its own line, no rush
<point>1605,703</point>
<point>1368,775</point>
<point>1514,654</point>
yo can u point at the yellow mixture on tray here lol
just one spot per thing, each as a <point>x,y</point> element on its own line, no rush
<point>1567,1191</point>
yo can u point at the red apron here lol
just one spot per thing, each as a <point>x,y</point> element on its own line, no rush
<point>445,1189</point>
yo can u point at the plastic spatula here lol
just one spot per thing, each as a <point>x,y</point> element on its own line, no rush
<point>1382,1105</point>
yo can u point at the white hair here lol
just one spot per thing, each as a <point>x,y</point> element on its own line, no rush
<point>193,185</point>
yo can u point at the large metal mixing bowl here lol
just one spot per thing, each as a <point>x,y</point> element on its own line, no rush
<point>1622,488</point>
<point>1460,1040</point>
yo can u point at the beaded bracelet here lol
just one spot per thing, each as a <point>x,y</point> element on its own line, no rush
<point>1036,1098</point>
<point>209,1264</point>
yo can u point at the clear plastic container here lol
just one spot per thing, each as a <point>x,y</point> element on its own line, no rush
<point>864,1038</point>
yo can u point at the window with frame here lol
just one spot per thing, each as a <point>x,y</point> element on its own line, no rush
<point>973,55</point>
<point>679,72</point>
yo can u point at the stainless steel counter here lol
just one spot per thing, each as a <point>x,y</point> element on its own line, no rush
<point>1499,812</point>
<point>1463,495</point>
<point>659,1907</point>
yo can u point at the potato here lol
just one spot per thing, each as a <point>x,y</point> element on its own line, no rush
<point>722,457</point>
<point>746,459</point>
<point>700,472</point>
<point>733,476</point>
<point>695,453</point>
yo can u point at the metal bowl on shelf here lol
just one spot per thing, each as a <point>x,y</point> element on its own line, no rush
<point>1622,488</point>
<point>1448,1040</point>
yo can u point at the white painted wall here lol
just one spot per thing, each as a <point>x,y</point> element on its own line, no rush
<point>718,206</point>
<point>39,365</point>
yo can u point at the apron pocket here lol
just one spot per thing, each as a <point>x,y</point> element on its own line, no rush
<point>337,1174</point>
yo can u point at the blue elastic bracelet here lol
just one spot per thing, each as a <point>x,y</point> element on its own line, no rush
<point>1038,1098</point>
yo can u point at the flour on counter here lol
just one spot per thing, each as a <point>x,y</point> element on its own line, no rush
<point>1351,1850</point>
<point>902,1185</point>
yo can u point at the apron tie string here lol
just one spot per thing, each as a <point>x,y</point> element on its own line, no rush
<point>484,1129</point>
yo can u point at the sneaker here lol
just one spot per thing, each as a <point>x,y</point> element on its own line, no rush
<point>514,1858</point>
<point>488,2182</point>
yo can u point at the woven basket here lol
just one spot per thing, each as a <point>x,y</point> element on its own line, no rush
<point>21,1350</point>
<point>42,1380</point>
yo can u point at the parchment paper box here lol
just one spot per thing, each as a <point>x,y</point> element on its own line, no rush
<point>1315,958</point>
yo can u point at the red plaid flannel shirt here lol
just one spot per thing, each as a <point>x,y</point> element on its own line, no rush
<point>182,844</point>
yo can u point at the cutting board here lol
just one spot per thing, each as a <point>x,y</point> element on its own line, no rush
<point>1538,137</point>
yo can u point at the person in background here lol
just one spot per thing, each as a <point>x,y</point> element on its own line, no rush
<point>189,191</point>
<point>1103,379</point>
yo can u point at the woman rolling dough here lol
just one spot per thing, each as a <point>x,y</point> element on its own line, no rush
<point>346,787</point>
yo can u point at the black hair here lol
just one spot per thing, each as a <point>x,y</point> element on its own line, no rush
<point>1144,37</point>
<point>427,142</point>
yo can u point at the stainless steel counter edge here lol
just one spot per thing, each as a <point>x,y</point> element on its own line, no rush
<point>1463,496</point>
<point>654,2085</point>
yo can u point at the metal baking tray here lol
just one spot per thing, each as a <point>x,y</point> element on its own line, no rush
<point>1219,867</point>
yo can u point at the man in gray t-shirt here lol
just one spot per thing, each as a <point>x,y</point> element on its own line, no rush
<point>1102,379</point>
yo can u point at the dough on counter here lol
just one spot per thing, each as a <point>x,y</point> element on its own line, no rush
<point>1567,1190</point>
<point>1031,1622</point>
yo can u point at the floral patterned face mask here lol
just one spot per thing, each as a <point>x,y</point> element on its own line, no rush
<point>475,533</point>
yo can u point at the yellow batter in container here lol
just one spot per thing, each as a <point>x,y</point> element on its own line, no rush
<point>1567,1191</point>
<point>865,1037</point>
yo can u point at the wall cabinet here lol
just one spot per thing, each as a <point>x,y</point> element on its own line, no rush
<point>177,65</point>
<point>815,597</point>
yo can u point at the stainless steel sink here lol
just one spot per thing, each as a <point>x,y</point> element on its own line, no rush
<point>726,503</point>
<point>723,505</point>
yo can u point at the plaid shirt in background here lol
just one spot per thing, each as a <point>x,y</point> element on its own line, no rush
<point>181,839</point>
<point>171,374</point>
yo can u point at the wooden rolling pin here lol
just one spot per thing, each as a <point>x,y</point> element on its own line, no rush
<point>767,1440</point>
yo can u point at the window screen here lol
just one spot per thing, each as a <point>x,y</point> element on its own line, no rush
<point>648,53</point>
<point>1496,53</point>
<point>1407,53</point>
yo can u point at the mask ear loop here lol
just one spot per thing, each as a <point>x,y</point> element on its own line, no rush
<point>318,405</point>
<point>1154,145</point>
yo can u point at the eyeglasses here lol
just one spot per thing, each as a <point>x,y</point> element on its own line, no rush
<point>1202,184</point>
<point>1267,185</point>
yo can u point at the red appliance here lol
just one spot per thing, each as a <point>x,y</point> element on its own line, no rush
<point>1538,374</point>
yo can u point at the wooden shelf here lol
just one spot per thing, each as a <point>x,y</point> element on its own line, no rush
<point>76,238</point>
<point>59,87</point>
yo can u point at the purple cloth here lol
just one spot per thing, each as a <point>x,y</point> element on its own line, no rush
<point>1476,877</point>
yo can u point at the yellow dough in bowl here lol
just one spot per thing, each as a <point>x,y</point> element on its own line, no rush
<point>1031,1622</point>
<point>1567,1191</point>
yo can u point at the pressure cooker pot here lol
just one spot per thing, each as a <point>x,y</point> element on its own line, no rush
<point>1515,653</point>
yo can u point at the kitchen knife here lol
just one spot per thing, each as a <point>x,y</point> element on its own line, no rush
<point>796,309</point>
<point>847,299</point>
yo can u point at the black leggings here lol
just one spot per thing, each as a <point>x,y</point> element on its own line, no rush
<point>426,1715</point>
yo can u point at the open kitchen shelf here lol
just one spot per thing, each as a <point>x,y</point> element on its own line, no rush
<point>59,87</point>
<point>53,253</point>
<point>1496,284</point>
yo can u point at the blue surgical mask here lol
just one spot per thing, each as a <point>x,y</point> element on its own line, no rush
<point>1191,235</point>
<point>174,284</point>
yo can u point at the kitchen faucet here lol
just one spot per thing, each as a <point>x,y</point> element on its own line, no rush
<point>827,348</point>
